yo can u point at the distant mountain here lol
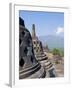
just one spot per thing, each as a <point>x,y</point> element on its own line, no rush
<point>52,41</point>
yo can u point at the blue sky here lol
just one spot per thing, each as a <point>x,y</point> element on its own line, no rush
<point>46,23</point>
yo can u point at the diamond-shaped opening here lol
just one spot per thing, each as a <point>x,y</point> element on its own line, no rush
<point>25,50</point>
<point>21,62</point>
<point>23,33</point>
<point>31,59</point>
<point>20,41</point>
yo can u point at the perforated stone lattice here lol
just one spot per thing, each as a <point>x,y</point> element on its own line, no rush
<point>28,65</point>
<point>40,55</point>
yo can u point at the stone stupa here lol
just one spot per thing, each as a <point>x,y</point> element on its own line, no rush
<point>41,56</point>
<point>29,67</point>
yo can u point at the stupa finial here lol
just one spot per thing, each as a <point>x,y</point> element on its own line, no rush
<point>33,31</point>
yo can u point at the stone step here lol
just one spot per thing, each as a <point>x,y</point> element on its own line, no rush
<point>47,64</point>
<point>41,58</point>
<point>49,67</point>
<point>41,55</point>
<point>30,72</point>
<point>30,68</point>
<point>39,74</point>
<point>44,61</point>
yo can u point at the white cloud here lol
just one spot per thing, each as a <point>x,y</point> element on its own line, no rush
<point>59,30</point>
